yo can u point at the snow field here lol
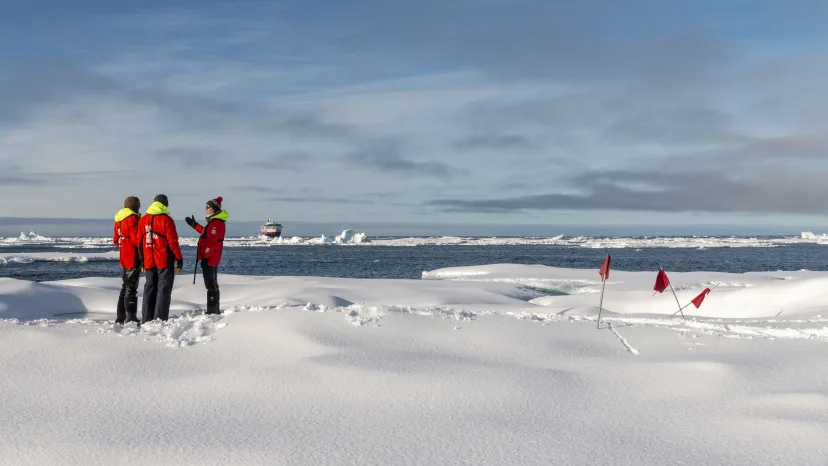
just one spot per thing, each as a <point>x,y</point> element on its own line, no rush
<point>467,366</point>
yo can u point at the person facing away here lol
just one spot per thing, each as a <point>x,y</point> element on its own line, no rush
<point>210,245</point>
<point>162,259</point>
<point>128,240</point>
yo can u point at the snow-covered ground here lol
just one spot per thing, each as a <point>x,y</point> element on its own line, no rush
<point>350,237</point>
<point>473,365</point>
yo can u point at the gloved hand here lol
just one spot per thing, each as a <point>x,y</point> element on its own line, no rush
<point>190,221</point>
<point>179,264</point>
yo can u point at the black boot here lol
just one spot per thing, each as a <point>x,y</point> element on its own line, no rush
<point>213,302</point>
<point>132,309</point>
<point>119,312</point>
<point>128,300</point>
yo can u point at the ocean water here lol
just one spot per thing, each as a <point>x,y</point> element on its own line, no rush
<point>383,261</point>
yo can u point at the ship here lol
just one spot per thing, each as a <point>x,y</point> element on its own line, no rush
<point>271,229</point>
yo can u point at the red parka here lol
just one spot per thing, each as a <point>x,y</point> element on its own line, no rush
<point>159,237</point>
<point>127,238</point>
<point>211,241</point>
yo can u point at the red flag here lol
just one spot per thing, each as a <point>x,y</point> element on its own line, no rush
<point>698,299</point>
<point>605,269</point>
<point>662,282</point>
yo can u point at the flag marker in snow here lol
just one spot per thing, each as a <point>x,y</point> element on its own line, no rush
<point>697,301</point>
<point>604,272</point>
<point>661,284</point>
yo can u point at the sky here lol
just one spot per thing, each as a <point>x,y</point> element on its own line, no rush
<point>517,112</point>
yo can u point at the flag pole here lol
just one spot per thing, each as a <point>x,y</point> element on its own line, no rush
<point>604,272</point>
<point>601,303</point>
<point>691,302</point>
<point>681,309</point>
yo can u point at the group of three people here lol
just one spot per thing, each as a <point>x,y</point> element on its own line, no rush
<point>149,243</point>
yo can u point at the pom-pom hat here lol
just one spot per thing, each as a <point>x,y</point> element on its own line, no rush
<point>215,203</point>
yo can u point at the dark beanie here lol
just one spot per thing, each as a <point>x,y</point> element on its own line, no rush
<point>215,203</point>
<point>133,203</point>
<point>162,198</point>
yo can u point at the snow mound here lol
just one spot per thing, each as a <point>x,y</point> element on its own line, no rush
<point>350,237</point>
<point>32,238</point>
<point>748,295</point>
<point>346,237</point>
<point>29,238</point>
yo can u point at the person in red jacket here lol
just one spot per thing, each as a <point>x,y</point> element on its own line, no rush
<point>128,240</point>
<point>162,259</point>
<point>210,244</point>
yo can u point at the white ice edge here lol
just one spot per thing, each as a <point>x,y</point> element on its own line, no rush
<point>350,237</point>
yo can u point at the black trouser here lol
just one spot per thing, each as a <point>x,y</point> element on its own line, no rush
<point>128,299</point>
<point>211,283</point>
<point>158,292</point>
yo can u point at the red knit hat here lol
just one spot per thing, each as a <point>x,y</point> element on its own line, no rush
<point>215,203</point>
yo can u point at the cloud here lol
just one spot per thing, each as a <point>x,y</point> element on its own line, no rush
<point>678,125</point>
<point>14,175</point>
<point>21,180</point>
<point>539,40</point>
<point>534,100</point>
<point>30,89</point>
<point>302,196</point>
<point>508,142</point>
<point>385,157</point>
<point>768,191</point>
<point>258,189</point>
<point>198,158</point>
<point>321,200</point>
<point>600,117</point>
<point>801,146</point>
<point>290,160</point>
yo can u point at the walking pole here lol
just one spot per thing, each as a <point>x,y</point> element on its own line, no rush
<point>195,269</point>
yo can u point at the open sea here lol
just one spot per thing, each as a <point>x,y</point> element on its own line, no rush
<point>409,257</point>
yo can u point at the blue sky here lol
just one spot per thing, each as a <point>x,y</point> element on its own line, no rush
<point>596,112</point>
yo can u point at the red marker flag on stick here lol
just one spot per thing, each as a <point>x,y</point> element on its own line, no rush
<point>605,269</point>
<point>697,301</point>
<point>662,282</point>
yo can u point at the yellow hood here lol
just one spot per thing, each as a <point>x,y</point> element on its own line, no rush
<point>223,215</point>
<point>124,213</point>
<point>157,208</point>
